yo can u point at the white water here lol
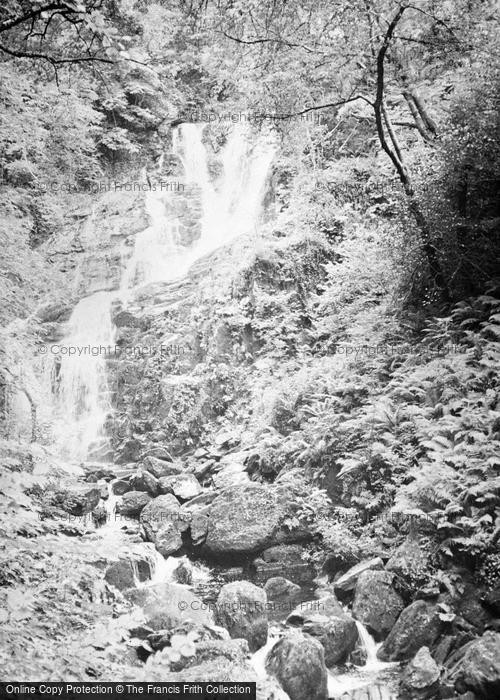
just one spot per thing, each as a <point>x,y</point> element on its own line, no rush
<point>81,388</point>
<point>230,206</point>
<point>340,683</point>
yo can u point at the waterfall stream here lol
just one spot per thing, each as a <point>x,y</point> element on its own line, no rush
<point>230,206</point>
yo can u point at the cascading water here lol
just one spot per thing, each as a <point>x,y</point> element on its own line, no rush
<point>79,377</point>
<point>230,206</point>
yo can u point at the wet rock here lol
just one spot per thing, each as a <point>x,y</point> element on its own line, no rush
<point>184,486</point>
<point>326,620</point>
<point>145,481</point>
<point>163,524</point>
<point>298,663</point>
<point>479,668</point>
<point>325,607</point>
<point>120,486</point>
<point>337,635</point>
<point>77,500</point>
<point>418,625</point>
<point>251,517</point>
<point>160,468</point>
<point>280,588</point>
<point>376,603</point>
<point>420,679</point>
<point>133,503</point>
<point>347,582</point>
<point>183,573</point>
<point>122,574</point>
<point>167,605</point>
<point>241,609</point>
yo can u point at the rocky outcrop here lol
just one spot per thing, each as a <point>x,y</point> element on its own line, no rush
<point>163,524</point>
<point>479,668</point>
<point>249,518</point>
<point>241,609</point>
<point>376,603</point>
<point>420,679</point>
<point>298,663</point>
<point>418,625</point>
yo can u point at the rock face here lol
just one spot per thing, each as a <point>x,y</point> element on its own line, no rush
<point>347,581</point>
<point>249,518</point>
<point>417,626</point>
<point>299,665</point>
<point>479,670</point>
<point>163,524</point>
<point>241,609</point>
<point>376,603</point>
<point>421,677</point>
<point>184,486</point>
<point>133,503</point>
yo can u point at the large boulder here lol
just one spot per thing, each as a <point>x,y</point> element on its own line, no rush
<point>420,678</point>
<point>167,605</point>
<point>242,609</point>
<point>133,503</point>
<point>347,582</point>
<point>326,620</point>
<point>163,524</point>
<point>376,603</point>
<point>183,486</point>
<point>249,518</point>
<point>143,480</point>
<point>337,634</point>
<point>298,663</point>
<point>479,668</point>
<point>159,467</point>
<point>279,588</point>
<point>418,625</point>
<point>126,572</point>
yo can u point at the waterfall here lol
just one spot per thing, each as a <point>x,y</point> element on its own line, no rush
<point>79,377</point>
<point>230,205</point>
